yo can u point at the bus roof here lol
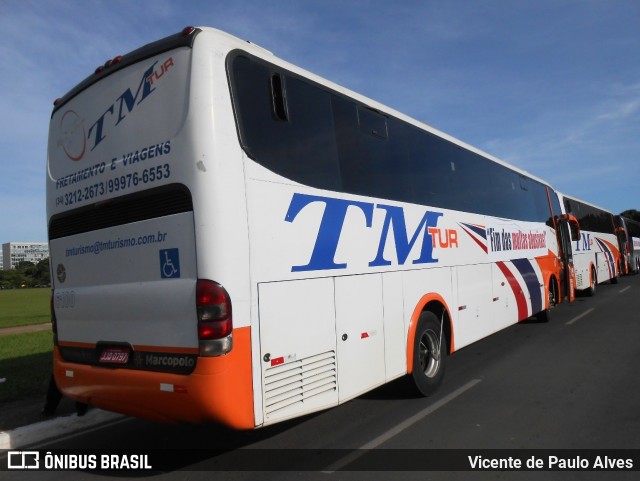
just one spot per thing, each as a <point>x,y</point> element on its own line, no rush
<point>186,38</point>
<point>577,199</point>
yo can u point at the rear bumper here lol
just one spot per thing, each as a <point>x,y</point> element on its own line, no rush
<point>219,389</point>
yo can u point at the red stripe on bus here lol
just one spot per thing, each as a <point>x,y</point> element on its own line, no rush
<point>521,302</point>
<point>484,247</point>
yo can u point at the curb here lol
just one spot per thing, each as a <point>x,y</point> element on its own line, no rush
<point>55,428</point>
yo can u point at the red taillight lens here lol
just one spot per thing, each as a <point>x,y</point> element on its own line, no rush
<point>214,329</point>
<point>214,310</point>
<point>186,31</point>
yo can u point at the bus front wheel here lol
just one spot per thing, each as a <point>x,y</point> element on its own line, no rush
<point>552,296</point>
<point>429,354</point>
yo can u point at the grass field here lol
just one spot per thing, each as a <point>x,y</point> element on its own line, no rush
<point>25,359</point>
<point>25,365</point>
<point>21,307</point>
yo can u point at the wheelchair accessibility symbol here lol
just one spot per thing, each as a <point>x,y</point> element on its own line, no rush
<point>169,263</point>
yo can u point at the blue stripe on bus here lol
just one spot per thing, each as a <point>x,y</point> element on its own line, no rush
<point>481,231</point>
<point>609,255</point>
<point>531,280</point>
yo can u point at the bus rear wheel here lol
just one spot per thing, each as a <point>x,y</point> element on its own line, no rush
<point>429,354</point>
<point>590,292</point>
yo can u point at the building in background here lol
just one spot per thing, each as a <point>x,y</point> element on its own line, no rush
<point>15,252</point>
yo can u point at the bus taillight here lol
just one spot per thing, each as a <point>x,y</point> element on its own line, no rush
<point>215,323</point>
<point>186,31</point>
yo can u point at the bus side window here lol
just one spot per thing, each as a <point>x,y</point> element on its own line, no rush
<point>372,123</point>
<point>285,123</point>
<point>372,151</point>
<point>278,98</point>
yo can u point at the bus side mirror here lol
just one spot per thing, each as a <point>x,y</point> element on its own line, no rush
<point>575,231</point>
<point>574,226</point>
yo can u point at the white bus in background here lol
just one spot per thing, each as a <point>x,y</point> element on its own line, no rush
<point>596,255</point>
<point>238,240</point>
<point>629,237</point>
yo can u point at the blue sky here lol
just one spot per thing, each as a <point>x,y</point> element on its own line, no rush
<point>551,86</point>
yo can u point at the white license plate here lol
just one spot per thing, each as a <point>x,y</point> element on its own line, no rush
<point>115,355</point>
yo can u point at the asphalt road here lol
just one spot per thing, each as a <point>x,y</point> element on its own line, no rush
<point>572,383</point>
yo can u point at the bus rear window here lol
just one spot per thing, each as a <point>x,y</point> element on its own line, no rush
<point>149,204</point>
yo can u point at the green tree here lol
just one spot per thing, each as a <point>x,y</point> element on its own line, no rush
<point>43,275</point>
<point>26,274</point>
<point>12,279</point>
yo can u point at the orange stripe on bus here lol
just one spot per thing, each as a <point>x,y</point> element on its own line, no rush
<point>220,389</point>
<point>550,266</point>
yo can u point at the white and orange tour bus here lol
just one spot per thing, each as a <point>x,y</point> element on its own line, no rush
<point>234,239</point>
<point>596,254</point>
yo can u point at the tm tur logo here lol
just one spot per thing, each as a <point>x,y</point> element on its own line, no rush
<point>332,222</point>
<point>586,242</point>
<point>73,137</point>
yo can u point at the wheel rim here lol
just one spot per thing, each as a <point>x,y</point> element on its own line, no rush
<point>430,353</point>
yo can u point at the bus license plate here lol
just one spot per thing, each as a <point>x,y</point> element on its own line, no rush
<point>114,355</point>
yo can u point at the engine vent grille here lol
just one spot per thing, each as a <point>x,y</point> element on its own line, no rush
<point>299,381</point>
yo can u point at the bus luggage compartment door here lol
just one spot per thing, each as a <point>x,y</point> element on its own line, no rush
<point>298,347</point>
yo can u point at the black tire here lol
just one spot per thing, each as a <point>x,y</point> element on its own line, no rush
<point>429,354</point>
<point>617,274</point>
<point>545,316</point>
<point>591,291</point>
